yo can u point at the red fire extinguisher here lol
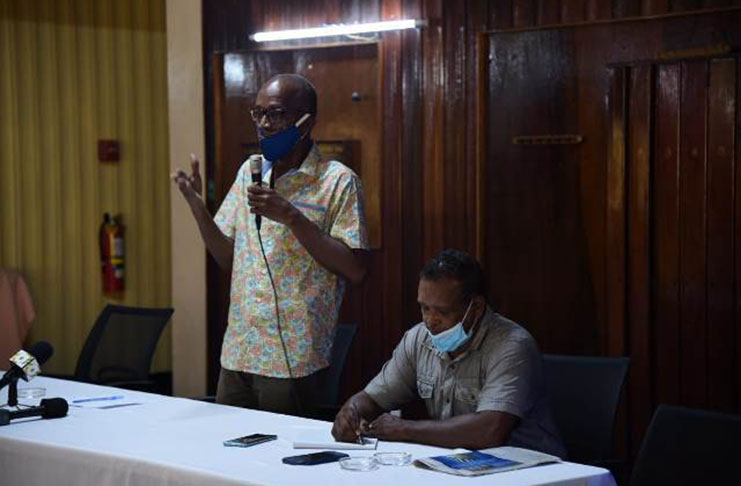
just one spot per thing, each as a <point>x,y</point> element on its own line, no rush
<point>112,254</point>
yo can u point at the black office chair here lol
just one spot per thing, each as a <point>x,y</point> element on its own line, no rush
<point>119,349</point>
<point>329,381</point>
<point>685,446</point>
<point>584,392</point>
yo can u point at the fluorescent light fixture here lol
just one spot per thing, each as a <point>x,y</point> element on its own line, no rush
<point>338,29</point>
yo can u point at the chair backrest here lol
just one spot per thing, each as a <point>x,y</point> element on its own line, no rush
<point>684,446</point>
<point>121,344</point>
<point>584,392</point>
<point>329,391</point>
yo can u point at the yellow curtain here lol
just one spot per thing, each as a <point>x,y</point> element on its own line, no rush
<point>73,72</point>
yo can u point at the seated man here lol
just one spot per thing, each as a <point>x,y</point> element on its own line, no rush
<point>478,373</point>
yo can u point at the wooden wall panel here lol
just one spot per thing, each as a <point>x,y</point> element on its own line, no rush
<point>655,7</point>
<point>573,11</point>
<point>685,5</point>
<point>626,8</point>
<point>592,187</point>
<point>599,9</point>
<point>501,15</point>
<point>412,161</point>
<point>475,125</point>
<point>737,236</point>
<point>454,174</point>
<point>613,287</point>
<point>509,14</point>
<point>615,216</point>
<point>433,191</point>
<point>639,244</point>
<point>549,13</point>
<point>692,188</point>
<point>392,303</point>
<point>523,13</point>
<point>665,244</point>
<point>721,327</point>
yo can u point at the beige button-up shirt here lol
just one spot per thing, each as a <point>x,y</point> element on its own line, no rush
<point>500,371</point>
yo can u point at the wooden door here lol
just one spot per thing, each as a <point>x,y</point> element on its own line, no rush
<point>602,247</point>
<point>675,132</point>
<point>347,82</point>
<point>542,213</point>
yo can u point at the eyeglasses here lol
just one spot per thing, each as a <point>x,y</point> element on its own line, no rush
<point>276,116</point>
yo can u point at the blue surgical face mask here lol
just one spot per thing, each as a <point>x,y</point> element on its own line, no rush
<point>453,338</point>
<point>278,145</point>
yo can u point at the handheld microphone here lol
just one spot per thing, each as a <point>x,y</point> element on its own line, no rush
<point>256,172</point>
<point>26,365</point>
<point>50,408</point>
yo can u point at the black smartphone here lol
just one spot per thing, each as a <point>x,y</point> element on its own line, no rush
<point>314,458</point>
<point>249,440</point>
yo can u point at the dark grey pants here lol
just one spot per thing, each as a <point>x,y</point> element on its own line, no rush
<point>247,390</point>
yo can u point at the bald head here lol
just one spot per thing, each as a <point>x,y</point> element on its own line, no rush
<point>294,91</point>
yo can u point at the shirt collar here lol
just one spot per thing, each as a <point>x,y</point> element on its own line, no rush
<point>483,328</point>
<point>309,166</point>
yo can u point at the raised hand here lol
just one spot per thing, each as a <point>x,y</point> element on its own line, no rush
<point>191,186</point>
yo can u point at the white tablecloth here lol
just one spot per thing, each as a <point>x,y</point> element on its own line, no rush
<point>176,441</point>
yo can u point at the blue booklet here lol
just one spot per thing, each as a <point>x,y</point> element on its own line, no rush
<point>476,463</point>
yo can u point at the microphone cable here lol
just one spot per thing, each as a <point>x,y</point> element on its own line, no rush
<point>294,391</point>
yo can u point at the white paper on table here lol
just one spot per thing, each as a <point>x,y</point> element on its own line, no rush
<point>322,439</point>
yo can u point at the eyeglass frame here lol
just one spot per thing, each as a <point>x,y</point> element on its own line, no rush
<point>266,113</point>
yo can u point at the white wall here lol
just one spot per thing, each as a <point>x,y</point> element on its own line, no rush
<point>185,87</point>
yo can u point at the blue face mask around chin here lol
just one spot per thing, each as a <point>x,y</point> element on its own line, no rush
<point>278,145</point>
<point>453,338</point>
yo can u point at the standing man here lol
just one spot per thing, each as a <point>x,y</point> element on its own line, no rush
<point>478,373</point>
<point>287,277</point>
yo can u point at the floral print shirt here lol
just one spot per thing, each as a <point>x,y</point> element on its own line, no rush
<point>309,296</point>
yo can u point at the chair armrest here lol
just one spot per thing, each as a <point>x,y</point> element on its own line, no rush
<point>62,377</point>
<point>324,412</point>
<point>619,469</point>
<point>206,398</point>
<point>135,385</point>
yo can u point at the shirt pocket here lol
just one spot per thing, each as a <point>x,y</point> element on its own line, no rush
<point>467,392</point>
<point>425,387</point>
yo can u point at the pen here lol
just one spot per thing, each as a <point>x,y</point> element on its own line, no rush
<point>98,399</point>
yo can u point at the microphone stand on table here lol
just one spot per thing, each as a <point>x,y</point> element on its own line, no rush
<point>13,396</point>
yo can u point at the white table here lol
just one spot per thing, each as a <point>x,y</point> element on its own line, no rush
<point>176,441</point>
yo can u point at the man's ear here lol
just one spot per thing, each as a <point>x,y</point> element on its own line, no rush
<point>479,304</point>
